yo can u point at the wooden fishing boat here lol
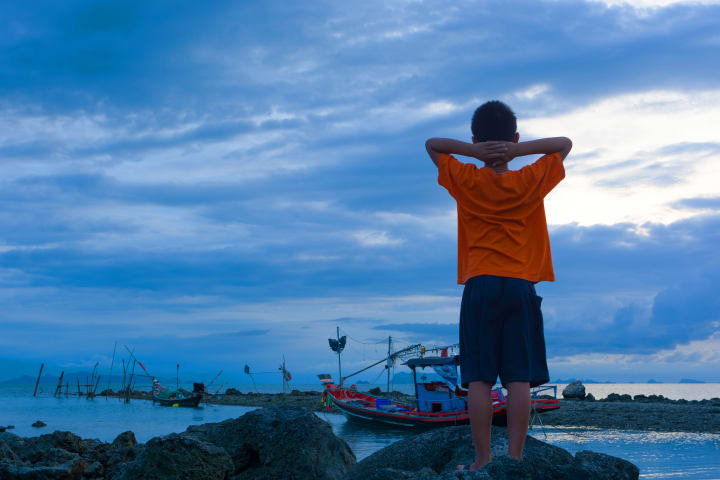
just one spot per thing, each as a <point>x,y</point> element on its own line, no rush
<point>436,403</point>
<point>176,398</point>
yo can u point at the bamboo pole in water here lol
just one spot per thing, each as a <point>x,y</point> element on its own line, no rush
<point>129,385</point>
<point>58,390</point>
<point>111,366</point>
<point>38,380</point>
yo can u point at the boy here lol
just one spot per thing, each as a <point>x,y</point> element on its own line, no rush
<point>503,250</point>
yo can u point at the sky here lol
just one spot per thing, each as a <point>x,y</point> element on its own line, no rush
<point>221,184</point>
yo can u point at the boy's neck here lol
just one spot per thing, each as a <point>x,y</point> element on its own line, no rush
<point>500,169</point>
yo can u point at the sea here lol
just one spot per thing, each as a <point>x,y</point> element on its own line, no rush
<point>659,455</point>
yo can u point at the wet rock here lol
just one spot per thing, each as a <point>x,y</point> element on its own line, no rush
<point>125,439</point>
<point>443,449</point>
<point>10,427</point>
<point>589,397</point>
<point>175,457</point>
<point>39,424</point>
<point>2,429</point>
<point>72,470</point>
<point>375,391</point>
<point>614,397</point>
<point>275,442</point>
<point>7,455</point>
<point>233,391</point>
<point>574,390</point>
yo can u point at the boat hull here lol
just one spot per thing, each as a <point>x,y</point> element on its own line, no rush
<point>192,401</point>
<point>350,403</point>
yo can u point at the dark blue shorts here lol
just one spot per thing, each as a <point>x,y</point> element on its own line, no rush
<point>501,332</point>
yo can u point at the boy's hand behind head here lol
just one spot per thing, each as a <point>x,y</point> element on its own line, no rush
<point>490,152</point>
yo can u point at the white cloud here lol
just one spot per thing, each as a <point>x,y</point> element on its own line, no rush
<point>653,3</point>
<point>376,238</point>
<point>618,170</point>
<point>531,92</point>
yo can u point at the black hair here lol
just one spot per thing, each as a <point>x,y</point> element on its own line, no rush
<point>493,120</point>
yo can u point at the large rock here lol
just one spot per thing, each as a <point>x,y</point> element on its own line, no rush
<point>443,449</point>
<point>574,390</point>
<point>280,442</point>
<point>178,457</point>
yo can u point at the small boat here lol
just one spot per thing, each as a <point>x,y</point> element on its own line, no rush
<point>175,398</point>
<point>437,403</point>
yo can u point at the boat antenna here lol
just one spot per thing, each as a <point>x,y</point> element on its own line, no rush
<point>338,345</point>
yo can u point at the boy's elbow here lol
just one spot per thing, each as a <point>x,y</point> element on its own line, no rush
<point>566,148</point>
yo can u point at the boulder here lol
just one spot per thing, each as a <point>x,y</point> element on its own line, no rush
<point>574,390</point>
<point>280,442</point>
<point>39,424</point>
<point>125,439</point>
<point>441,450</point>
<point>178,457</point>
<point>233,391</point>
<point>590,397</point>
<point>51,456</point>
<point>71,470</point>
<point>375,391</point>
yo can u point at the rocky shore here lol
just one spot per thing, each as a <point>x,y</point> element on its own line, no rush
<point>652,413</point>
<point>287,443</point>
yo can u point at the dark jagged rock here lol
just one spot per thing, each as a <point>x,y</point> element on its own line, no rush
<point>288,443</point>
<point>125,439</point>
<point>443,449</point>
<point>176,457</point>
<point>2,429</point>
<point>574,390</point>
<point>375,391</point>
<point>39,424</point>
<point>233,391</point>
<point>275,442</point>
<point>589,397</point>
<point>614,397</point>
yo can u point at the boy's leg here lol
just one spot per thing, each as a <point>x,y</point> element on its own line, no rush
<point>518,416</point>
<point>480,333</point>
<point>481,414</point>
<point>523,363</point>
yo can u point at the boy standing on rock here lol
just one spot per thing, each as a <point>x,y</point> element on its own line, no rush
<point>503,251</point>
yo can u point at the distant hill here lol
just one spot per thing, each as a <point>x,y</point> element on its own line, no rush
<point>653,381</point>
<point>570,380</point>
<point>74,377</point>
<point>690,380</point>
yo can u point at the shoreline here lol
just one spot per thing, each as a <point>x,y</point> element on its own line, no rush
<point>618,412</point>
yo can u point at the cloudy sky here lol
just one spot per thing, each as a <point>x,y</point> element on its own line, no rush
<point>221,184</point>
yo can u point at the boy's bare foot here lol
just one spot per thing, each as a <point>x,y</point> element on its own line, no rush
<point>472,466</point>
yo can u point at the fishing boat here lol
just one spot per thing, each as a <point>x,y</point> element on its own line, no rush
<point>436,404</point>
<point>175,398</point>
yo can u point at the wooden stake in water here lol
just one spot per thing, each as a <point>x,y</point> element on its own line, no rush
<point>38,379</point>
<point>111,367</point>
<point>58,390</point>
<point>129,385</point>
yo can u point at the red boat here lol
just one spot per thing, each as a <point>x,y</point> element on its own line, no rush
<point>437,403</point>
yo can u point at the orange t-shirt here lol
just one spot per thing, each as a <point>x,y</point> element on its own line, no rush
<point>501,217</point>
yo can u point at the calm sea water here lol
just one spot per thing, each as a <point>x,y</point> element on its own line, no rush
<point>659,455</point>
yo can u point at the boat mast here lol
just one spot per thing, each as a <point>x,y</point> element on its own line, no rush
<point>338,352</point>
<point>389,364</point>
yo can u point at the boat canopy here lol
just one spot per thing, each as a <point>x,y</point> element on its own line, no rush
<point>432,361</point>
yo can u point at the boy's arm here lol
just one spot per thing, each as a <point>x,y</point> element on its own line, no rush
<point>561,145</point>
<point>485,151</point>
